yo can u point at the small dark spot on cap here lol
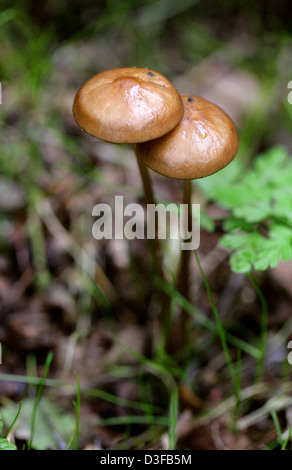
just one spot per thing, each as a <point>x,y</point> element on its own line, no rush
<point>191,99</point>
<point>151,74</point>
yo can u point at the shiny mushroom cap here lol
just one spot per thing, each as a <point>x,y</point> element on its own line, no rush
<point>127,105</point>
<point>204,142</point>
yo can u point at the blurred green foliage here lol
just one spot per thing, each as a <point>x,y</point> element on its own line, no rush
<point>260,202</point>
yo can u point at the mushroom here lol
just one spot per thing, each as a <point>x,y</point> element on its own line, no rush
<point>129,105</point>
<point>204,142</point>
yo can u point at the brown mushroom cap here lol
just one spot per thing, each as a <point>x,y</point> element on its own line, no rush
<point>204,142</point>
<point>127,105</point>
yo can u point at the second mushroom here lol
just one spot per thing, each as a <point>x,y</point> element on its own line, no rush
<point>204,142</point>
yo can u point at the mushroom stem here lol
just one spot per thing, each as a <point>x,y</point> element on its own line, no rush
<point>155,248</point>
<point>149,199</point>
<point>183,279</point>
<point>184,268</point>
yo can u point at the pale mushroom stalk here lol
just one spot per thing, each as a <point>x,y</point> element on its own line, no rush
<point>155,246</point>
<point>184,267</point>
<point>183,278</point>
<point>184,274</point>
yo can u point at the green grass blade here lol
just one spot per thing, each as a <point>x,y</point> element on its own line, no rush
<point>14,421</point>
<point>172,371</point>
<point>77,406</point>
<point>277,426</point>
<point>173,413</point>
<point>221,332</point>
<point>285,443</point>
<point>128,420</point>
<point>95,392</point>
<point>204,321</point>
<point>38,397</point>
